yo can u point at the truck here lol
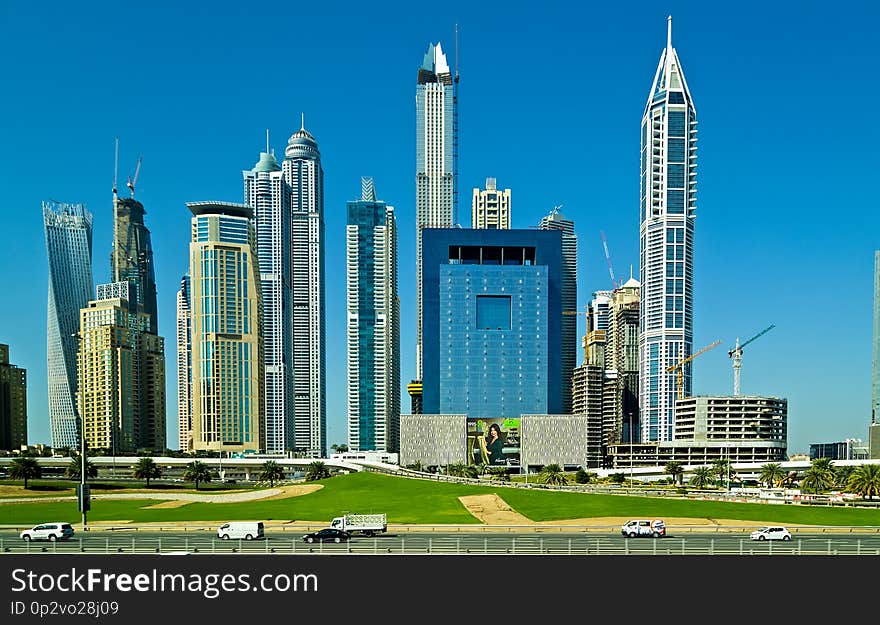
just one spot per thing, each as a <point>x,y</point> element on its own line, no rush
<point>366,524</point>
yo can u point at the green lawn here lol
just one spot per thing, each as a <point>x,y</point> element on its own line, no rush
<point>61,487</point>
<point>419,501</point>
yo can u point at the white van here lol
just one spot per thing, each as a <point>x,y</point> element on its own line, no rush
<point>247,530</point>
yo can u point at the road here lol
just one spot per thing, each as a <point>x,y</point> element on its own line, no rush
<point>732,543</point>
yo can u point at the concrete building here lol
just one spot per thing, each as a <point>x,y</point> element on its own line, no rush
<point>738,428</point>
<point>589,385</point>
<point>302,172</point>
<point>667,214</point>
<point>373,324</point>
<point>490,207</point>
<point>68,230</point>
<point>267,193</point>
<point>121,372</point>
<point>492,315</point>
<point>132,257</point>
<point>13,403</point>
<point>184,367</point>
<point>568,324</point>
<point>436,146</point>
<point>227,346</point>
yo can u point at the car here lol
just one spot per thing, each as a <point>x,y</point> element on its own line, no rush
<point>771,533</point>
<point>48,531</point>
<point>248,530</point>
<point>644,527</point>
<point>327,535</point>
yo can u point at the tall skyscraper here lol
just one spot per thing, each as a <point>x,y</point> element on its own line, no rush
<point>121,374</point>
<point>132,257</point>
<point>227,346</point>
<point>269,196</point>
<point>302,172</point>
<point>492,310</point>
<point>184,367</point>
<point>490,207</point>
<point>13,403</point>
<point>373,324</point>
<point>667,212</point>
<point>557,221</point>
<point>435,160</point>
<point>68,230</point>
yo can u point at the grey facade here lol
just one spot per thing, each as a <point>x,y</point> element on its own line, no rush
<point>433,439</point>
<point>560,439</point>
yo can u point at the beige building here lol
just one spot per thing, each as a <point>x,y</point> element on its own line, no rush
<point>121,372</point>
<point>13,403</point>
<point>228,410</point>
<point>490,208</point>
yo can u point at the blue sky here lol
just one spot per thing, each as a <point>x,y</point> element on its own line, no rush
<point>551,102</point>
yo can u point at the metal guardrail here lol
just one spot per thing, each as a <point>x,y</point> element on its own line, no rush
<point>571,546</point>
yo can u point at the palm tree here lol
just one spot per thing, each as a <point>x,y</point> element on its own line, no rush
<point>340,449</point>
<point>771,474</point>
<point>197,471</point>
<point>24,469</point>
<point>675,471</point>
<point>702,476</point>
<point>147,469</point>
<point>74,469</point>
<point>272,472</point>
<point>317,471</point>
<point>817,478</point>
<point>553,474</point>
<point>842,475</point>
<point>721,469</point>
<point>865,481</point>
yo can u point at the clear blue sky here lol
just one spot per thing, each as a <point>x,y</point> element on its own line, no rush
<point>551,102</point>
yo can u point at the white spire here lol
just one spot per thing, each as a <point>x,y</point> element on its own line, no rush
<point>669,33</point>
<point>303,125</point>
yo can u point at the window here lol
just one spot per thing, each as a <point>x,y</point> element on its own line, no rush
<point>493,312</point>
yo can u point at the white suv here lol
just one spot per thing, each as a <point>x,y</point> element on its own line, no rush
<point>771,533</point>
<point>48,531</point>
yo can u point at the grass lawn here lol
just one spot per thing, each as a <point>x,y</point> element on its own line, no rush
<point>419,501</point>
<point>59,487</point>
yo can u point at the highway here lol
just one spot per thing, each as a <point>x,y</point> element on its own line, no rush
<point>732,543</point>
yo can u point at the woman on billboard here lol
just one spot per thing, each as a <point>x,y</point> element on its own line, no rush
<point>494,444</point>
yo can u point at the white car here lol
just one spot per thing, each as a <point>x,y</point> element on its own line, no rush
<point>644,527</point>
<point>48,531</point>
<point>771,533</point>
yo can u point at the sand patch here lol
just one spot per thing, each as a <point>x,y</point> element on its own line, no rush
<point>493,510</point>
<point>168,504</point>
<point>295,491</point>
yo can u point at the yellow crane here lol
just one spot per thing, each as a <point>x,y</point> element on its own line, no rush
<point>680,366</point>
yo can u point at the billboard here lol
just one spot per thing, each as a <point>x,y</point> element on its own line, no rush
<point>493,442</point>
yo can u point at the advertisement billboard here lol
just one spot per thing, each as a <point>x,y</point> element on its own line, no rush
<point>493,441</point>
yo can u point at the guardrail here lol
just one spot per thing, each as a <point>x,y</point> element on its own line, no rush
<point>571,546</point>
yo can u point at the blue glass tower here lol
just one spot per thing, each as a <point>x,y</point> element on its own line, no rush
<point>68,229</point>
<point>492,310</point>
<point>373,324</point>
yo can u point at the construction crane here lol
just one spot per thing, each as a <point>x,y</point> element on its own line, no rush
<point>608,259</point>
<point>680,366</point>
<point>132,180</point>
<point>737,354</point>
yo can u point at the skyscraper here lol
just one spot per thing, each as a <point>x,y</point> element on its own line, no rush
<point>13,403</point>
<point>132,257</point>
<point>227,347</point>
<point>302,172</point>
<point>557,221</point>
<point>121,373</point>
<point>373,324</point>
<point>667,212</point>
<point>184,367</point>
<point>490,207</point>
<point>435,160</point>
<point>68,230</point>
<point>269,196</point>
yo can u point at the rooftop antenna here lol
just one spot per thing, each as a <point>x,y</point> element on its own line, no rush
<point>303,126</point>
<point>669,33</point>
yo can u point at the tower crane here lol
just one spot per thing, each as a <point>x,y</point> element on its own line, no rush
<point>680,366</point>
<point>608,260</point>
<point>737,353</point>
<point>132,181</point>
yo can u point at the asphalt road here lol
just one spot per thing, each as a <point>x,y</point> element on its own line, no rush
<point>732,543</point>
